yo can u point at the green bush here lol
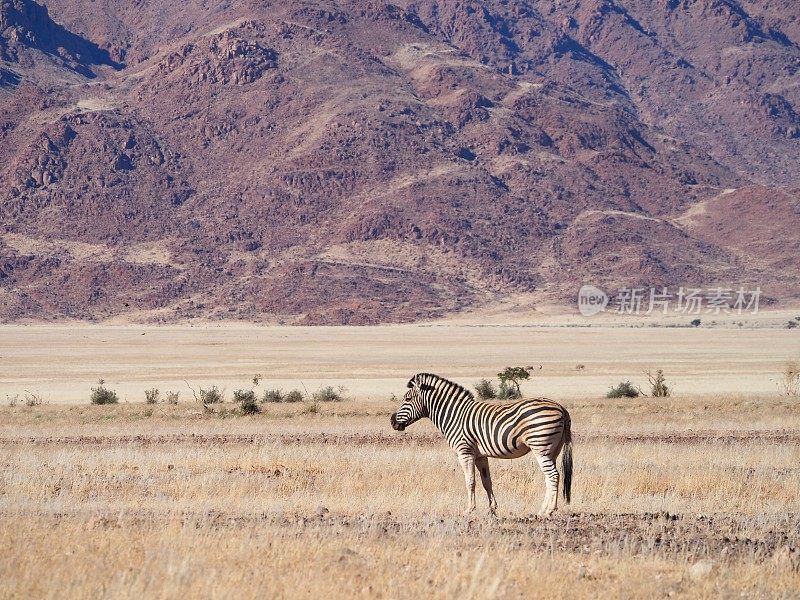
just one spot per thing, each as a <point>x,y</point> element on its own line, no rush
<point>273,396</point>
<point>625,389</point>
<point>247,401</point>
<point>328,394</point>
<point>695,323</point>
<point>103,395</point>
<point>151,396</point>
<point>508,391</point>
<point>485,389</point>
<point>244,396</point>
<point>212,395</point>
<point>294,396</point>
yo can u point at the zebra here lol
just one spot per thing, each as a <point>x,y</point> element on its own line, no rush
<point>479,430</point>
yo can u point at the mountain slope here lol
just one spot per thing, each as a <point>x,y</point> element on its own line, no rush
<point>351,162</point>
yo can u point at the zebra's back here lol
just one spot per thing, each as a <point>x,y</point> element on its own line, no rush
<point>511,429</point>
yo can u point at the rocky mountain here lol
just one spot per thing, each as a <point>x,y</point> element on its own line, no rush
<point>363,162</point>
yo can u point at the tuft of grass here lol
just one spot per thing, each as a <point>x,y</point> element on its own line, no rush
<point>273,396</point>
<point>151,396</point>
<point>791,324</point>
<point>328,394</point>
<point>294,396</point>
<point>624,389</point>
<point>486,390</point>
<point>172,397</point>
<point>103,395</point>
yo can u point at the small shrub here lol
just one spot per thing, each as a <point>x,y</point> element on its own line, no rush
<point>244,396</point>
<point>103,395</point>
<point>790,378</point>
<point>625,389</point>
<point>485,389</point>
<point>12,400</point>
<point>151,396</point>
<point>247,401</point>
<point>791,324</point>
<point>508,391</point>
<point>212,395</point>
<point>273,396</point>
<point>580,367</point>
<point>328,394</point>
<point>695,323</point>
<point>294,396</point>
<point>172,397</point>
<point>33,399</point>
<point>658,384</point>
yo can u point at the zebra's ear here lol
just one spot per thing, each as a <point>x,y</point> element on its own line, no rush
<point>411,382</point>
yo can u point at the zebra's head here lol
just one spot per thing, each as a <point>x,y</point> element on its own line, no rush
<point>412,409</point>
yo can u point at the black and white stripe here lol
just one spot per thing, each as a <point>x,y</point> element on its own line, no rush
<point>479,430</point>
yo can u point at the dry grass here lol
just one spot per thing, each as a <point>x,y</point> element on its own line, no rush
<point>132,501</point>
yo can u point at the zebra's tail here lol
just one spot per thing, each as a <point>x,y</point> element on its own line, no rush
<point>566,458</point>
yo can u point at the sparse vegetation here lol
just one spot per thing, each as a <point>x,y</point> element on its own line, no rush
<point>275,395</point>
<point>580,367</point>
<point>624,389</point>
<point>658,384</point>
<point>294,396</point>
<point>151,396</point>
<point>486,390</point>
<point>172,397</point>
<point>103,395</point>
<point>791,324</point>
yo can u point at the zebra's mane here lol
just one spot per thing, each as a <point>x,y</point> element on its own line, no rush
<point>431,379</point>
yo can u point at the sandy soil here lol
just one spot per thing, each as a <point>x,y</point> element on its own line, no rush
<point>63,362</point>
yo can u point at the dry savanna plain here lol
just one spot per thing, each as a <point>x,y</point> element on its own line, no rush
<point>696,495</point>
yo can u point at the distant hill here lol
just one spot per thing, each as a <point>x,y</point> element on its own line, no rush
<point>362,162</point>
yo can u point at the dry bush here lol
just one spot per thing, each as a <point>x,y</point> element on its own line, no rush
<point>789,382</point>
<point>172,397</point>
<point>658,384</point>
<point>151,396</point>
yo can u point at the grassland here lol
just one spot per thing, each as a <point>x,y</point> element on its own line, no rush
<point>165,501</point>
<point>696,495</point>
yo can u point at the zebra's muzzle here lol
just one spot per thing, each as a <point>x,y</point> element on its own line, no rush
<point>395,425</point>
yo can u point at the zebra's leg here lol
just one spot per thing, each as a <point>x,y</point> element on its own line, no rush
<point>548,467</point>
<point>482,463</point>
<point>467,461</point>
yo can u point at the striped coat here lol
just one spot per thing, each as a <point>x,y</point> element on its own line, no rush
<point>479,430</point>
